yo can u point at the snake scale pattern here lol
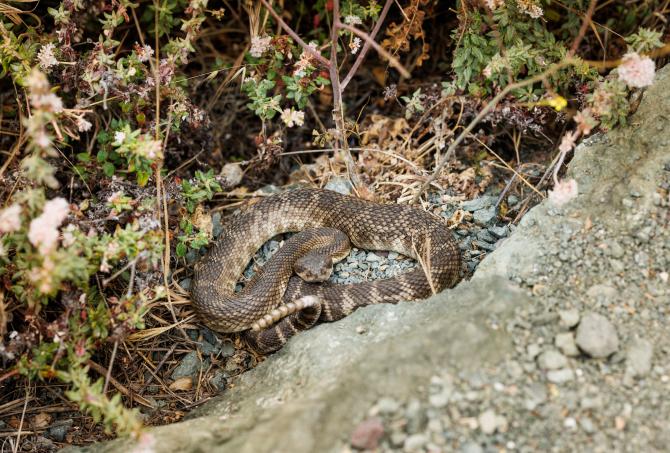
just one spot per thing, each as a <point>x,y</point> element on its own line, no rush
<point>274,296</point>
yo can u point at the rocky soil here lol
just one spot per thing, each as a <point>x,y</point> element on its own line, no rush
<point>559,342</point>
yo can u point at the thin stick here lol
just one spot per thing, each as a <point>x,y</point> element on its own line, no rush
<point>109,368</point>
<point>366,46</point>
<point>582,29</point>
<point>23,414</point>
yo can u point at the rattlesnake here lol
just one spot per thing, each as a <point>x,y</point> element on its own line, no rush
<point>273,296</point>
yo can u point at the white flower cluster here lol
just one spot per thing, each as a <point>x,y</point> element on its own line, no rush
<point>292,117</point>
<point>635,71</point>
<point>46,57</point>
<point>259,45</point>
<point>10,219</point>
<point>43,232</point>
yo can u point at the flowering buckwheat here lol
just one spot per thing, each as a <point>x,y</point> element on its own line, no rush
<point>354,45</point>
<point>353,20</point>
<point>635,71</point>
<point>10,219</point>
<point>292,117</point>
<point>46,57</point>
<point>43,232</point>
<point>259,46</point>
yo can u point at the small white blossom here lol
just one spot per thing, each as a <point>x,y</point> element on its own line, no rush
<point>144,53</point>
<point>353,20</point>
<point>292,117</point>
<point>635,71</point>
<point>132,71</point>
<point>46,57</point>
<point>83,125</point>
<point>119,137</point>
<point>259,45</point>
<point>10,219</point>
<point>563,192</point>
<point>354,45</point>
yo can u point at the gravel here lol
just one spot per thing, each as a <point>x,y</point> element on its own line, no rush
<point>587,374</point>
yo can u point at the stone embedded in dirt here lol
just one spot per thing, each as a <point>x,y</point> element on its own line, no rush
<point>479,203</point>
<point>488,421</point>
<point>638,357</point>
<point>565,342</point>
<point>189,366</point>
<point>367,434</point>
<point>560,376</point>
<point>388,405</point>
<point>484,216</point>
<point>596,336</point>
<point>552,360</point>
<point>569,318</point>
<point>340,185</point>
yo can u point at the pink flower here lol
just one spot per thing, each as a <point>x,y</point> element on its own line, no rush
<point>635,71</point>
<point>10,219</point>
<point>563,192</point>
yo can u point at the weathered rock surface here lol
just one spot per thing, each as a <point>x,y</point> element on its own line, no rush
<point>475,368</point>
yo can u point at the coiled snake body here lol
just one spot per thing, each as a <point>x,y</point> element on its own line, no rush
<point>293,304</point>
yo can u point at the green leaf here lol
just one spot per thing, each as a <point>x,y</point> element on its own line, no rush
<point>109,169</point>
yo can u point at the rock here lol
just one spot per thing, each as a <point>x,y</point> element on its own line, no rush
<point>565,342</point>
<point>499,231</point>
<point>367,434</point>
<point>569,318</point>
<point>206,348</point>
<point>58,431</point>
<point>552,360</point>
<point>415,442</point>
<point>560,376</point>
<point>387,406</point>
<point>479,203</point>
<point>227,349</point>
<point>340,185</point>
<point>190,364</point>
<point>219,381</point>
<point>488,421</point>
<point>232,175</point>
<point>485,216</point>
<point>372,258</point>
<point>471,447</point>
<point>638,358</point>
<point>596,336</point>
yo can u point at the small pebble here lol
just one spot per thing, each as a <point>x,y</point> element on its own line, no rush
<point>488,421</point>
<point>596,336</point>
<point>560,376</point>
<point>569,318</point>
<point>367,434</point>
<point>552,360</point>
<point>638,358</point>
<point>565,342</point>
<point>415,442</point>
<point>388,405</point>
